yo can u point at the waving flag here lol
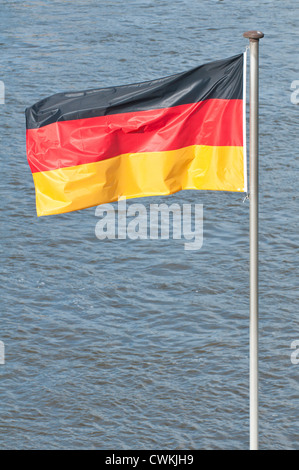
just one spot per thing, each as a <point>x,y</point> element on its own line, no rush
<point>153,138</point>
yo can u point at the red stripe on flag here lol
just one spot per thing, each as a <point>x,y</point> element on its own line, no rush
<point>215,122</point>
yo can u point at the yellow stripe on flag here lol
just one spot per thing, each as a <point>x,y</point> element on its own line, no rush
<point>139,175</point>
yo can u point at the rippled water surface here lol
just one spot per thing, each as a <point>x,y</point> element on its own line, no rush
<point>123,344</point>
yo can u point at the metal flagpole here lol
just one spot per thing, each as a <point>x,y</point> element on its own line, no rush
<point>254,37</point>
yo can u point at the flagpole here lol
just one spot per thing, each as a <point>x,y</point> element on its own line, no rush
<point>254,37</point>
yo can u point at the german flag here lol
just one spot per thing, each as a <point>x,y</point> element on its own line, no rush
<point>158,137</point>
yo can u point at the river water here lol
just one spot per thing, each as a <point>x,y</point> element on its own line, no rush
<point>123,344</point>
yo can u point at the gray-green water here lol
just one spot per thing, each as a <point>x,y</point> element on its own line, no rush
<point>125,344</point>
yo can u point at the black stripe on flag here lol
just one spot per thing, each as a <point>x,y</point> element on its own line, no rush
<point>221,79</point>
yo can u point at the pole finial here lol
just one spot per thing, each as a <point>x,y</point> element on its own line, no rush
<point>253,35</point>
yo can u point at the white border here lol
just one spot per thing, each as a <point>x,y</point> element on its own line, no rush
<point>244,122</point>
